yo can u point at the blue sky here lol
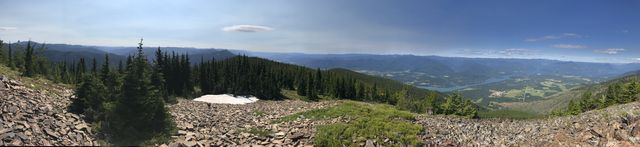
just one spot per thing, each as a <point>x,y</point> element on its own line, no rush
<point>577,30</point>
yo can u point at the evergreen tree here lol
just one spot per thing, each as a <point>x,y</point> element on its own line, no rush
<point>2,57</point>
<point>10,57</point>
<point>91,94</point>
<point>631,91</point>
<point>574,108</point>
<point>120,68</point>
<point>28,61</point>
<point>302,87</point>
<point>469,109</point>
<point>80,70</point>
<point>139,113</point>
<point>311,88</point>
<point>105,71</point>
<point>94,67</point>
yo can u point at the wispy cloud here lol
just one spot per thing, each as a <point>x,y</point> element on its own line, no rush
<point>610,51</point>
<point>625,31</point>
<point>515,52</point>
<point>553,37</point>
<point>7,28</point>
<point>569,46</point>
<point>247,28</point>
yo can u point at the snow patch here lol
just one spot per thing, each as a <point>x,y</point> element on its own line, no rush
<point>226,99</point>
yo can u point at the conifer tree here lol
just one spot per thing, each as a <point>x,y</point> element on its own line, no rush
<point>28,61</point>
<point>91,94</point>
<point>10,57</point>
<point>94,67</point>
<point>120,68</point>
<point>2,57</point>
<point>311,88</point>
<point>302,87</point>
<point>106,68</point>
<point>139,113</point>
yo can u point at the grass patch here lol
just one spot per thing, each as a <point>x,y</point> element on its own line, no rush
<point>259,113</point>
<point>368,121</point>
<point>293,95</point>
<point>508,113</point>
<point>38,82</point>
<point>257,132</point>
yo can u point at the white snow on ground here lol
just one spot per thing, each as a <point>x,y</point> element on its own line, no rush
<point>226,99</point>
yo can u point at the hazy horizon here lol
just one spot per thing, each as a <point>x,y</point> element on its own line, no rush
<point>601,31</point>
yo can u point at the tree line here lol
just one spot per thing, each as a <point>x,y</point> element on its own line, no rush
<point>625,90</point>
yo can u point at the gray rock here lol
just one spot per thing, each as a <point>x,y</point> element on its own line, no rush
<point>51,133</point>
<point>296,136</point>
<point>189,143</point>
<point>369,143</point>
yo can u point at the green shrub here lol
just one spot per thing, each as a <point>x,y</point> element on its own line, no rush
<point>368,121</point>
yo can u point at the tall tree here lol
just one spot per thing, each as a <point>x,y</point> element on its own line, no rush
<point>139,113</point>
<point>94,67</point>
<point>91,94</point>
<point>106,68</point>
<point>28,61</point>
<point>10,57</point>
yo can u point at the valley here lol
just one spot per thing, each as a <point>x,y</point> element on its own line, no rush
<point>329,73</point>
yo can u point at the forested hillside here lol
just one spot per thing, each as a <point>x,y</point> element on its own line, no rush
<point>618,91</point>
<point>129,97</point>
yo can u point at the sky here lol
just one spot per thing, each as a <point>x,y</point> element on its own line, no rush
<point>573,30</point>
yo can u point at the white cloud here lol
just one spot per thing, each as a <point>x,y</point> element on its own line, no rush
<point>569,46</point>
<point>552,37</point>
<point>625,31</point>
<point>515,52</point>
<point>610,51</point>
<point>7,28</point>
<point>246,28</point>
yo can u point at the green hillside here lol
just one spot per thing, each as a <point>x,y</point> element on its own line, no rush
<point>562,100</point>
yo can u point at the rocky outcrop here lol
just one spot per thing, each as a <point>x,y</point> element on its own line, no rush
<point>614,126</point>
<point>204,124</point>
<point>39,117</point>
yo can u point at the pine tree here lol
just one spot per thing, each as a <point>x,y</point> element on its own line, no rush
<point>631,91</point>
<point>94,67</point>
<point>469,109</point>
<point>139,113</point>
<point>2,57</point>
<point>10,57</point>
<point>574,108</point>
<point>91,94</point>
<point>28,61</point>
<point>302,87</point>
<point>80,70</point>
<point>311,88</point>
<point>120,68</point>
<point>106,68</point>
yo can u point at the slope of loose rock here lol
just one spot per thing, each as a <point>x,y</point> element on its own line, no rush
<point>251,124</point>
<point>613,126</point>
<point>206,124</point>
<point>39,117</point>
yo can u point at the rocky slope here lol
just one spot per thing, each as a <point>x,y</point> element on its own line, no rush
<point>613,126</point>
<point>206,124</point>
<point>39,117</point>
<point>223,124</point>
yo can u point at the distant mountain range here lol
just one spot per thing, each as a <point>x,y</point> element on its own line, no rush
<point>72,53</point>
<point>457,71</point>
<point>425,71</point>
